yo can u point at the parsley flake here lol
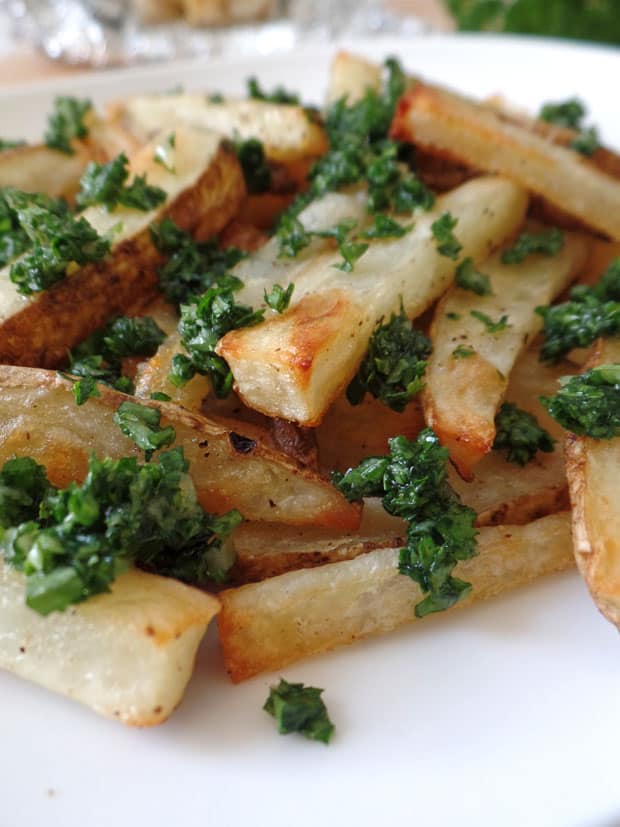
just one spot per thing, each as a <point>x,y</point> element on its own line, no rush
<point>256,170</point>
<point>447,243</point>
<point>468,278</point>
<point>279,298</point>
<point>490,325</point>
<point>462,352</point>
<point>385,227</point>
<point>588,404</point>
<point>67,122</point>
<point>547,243</point>
<point>141,424</point>
<point>106,184</point>
<point>519,434</point>
<point>299,708</point>
<point>279,94</point>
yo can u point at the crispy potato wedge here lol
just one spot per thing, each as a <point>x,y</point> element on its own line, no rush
<point>502,492</point>
<point>286,132</point>
<point>462,395</point>
<point>294,365</point>
<point>127,654</point>
<point>350,76</point>
<point>205,189</point>
<point>41,169</point>
<point>266,550</point>
<point>592,466</point>
<point>458,129</point>
<point>230,469</point>
<point>265,626</point>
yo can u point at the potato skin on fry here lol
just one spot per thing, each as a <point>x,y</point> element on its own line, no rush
<point>50,323</point>
<point>127,654</point>
<point>40,419</point>
<point>265,626</point>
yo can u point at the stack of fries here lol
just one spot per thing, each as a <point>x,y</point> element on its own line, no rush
<point>313,571</point>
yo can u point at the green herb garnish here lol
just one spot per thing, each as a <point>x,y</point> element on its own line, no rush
<point>588,404</point>
<point>519,434</point>
<point>107,184</point>
<point>279,298</point>
<point>385,227</point>
<point>547,243</point>
<point>394,366</point>
<point>73,543</point>
<point>447,243</point>
<point>256,171</point>
<point>192,267</point>
<point>412,481</point>
<point>13,239</point>
<point>350,252</point>
<point>279,94</point>
<point>203,322</point>
<point>5,144</point>
<point>299,708</point>
<point>590,313</point>
<point>468,278</point>
<point>57,238</point>
<point>163,152</point>
<point>141,424</point>
<point>569,115</point>
<point>487,321</point>
<point>462,352</point>
<point>66,123</point>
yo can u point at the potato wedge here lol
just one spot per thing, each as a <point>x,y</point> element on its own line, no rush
<point>265,626</point>
<point>266,550</point>
<point>350,76</point>
<point>127,654</point>
<point>461,130</point>
<point>205,189</point>
<point>592,468</point>
<point>285,131</point>
<point>463,393</point>
<point>230,470</point>
<point>41,169</point>
<point>294,365</point>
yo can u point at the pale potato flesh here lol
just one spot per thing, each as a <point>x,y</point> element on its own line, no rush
<point>350,76</point>
<point>266,626</point>
<point>294,365</point>
<point>39,418</point>
<point>205,189</point>
<point>285,131</point>
<point>462,395</point>
<point>127,654</point>
<point>458,129</point>
<point>41,169</point>
<point>593,468</point>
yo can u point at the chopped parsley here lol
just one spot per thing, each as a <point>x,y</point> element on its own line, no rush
<point>454,317</point>
<point>385,227</point>
<point>299,708</point>
<point>350,252</point>
<point>204,321</point>
<point>519,434</point>
<point>58,239</point>
<point>13,239</point>
<point>588,404</point>
<point>141,424</point>
<point>279,94</point>
<point>468,278</point>
<point>359,151</point>
<point>292,236</point>
<point>412,481</point>
<point>462,352</point>
<point>191,267</point>
<point>107,184</point>
<point>570,114</point>
<point>447,243</point>
<point>72,543</point>
<point>394,366</point>
<point>590,313</point>
<point>279,298</point>
<point>490,325</point>
<point>66,123</point>
<point>99,357</point>
<point>256,170</point>
<point>547,243</point>
<point>160,396</point>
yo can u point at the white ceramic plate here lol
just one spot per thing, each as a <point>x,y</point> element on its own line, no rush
<point>505,714</point>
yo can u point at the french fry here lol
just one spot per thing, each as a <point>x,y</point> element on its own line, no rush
<point>41,169</point>
<point>266,550</point>
<point>205,189</point>
<point>469,368</point>
<point>294,365</point>
<point>350,76</point>
<point>286,132</point>
<point>127,654</point>
<point>265,626</point>
<point>460,130</point>
<point>230,469</point>
<point>592,466</point>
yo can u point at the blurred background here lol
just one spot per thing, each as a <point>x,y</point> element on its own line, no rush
<point>113,32</point>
